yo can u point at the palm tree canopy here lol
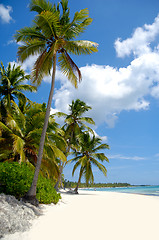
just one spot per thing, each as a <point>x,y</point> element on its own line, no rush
<point>53,32</point>
<point>51,38</point>
<point>74,121</point>
<point>12,83</point>
<point>20,137</point>
<point>87,154</point>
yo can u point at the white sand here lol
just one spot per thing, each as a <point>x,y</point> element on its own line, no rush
<point>97,215</point>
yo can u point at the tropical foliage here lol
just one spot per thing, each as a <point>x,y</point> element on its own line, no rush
<point>70,184</point>
<point>21,137</point>
<point>32,144</point>
<point>16,179</point>
<point>74,125</point>
<point>86,155</point>
<point>53,36</point>
<point>12,84</point>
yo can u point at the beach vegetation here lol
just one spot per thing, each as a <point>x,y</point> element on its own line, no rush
<point>15,179</point>
<point>74,124</point>
<point>71,184</point>
<point>87,153</point>
<point>51,38</point>
<point>13,85</point>
<point>20,138</point>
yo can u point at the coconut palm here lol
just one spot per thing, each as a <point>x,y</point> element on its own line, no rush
<point>75,121</point>
<point>52,37</point>
<point>74,124</point>
<point>12,84</point>
<point>86,155</point>
<point>21,136</point>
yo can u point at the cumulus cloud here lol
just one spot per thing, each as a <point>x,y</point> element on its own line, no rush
<point>111,90</point>
<point>140,41</point>
<point>5,13</point>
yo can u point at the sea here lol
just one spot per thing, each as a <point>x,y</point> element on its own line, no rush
<point>145,190</point>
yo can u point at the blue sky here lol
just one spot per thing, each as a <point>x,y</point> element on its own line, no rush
<point>120,82</point>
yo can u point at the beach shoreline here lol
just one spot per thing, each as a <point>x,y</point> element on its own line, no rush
<point>96,215</point>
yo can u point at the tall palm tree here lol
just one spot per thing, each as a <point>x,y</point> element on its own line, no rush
<point>87,154</point>
<point>52,36</point>
<point>12,84</point>
<point>74,124</point>
<point>20,138</point>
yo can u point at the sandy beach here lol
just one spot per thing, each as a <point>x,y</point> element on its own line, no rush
<point>97,215</point>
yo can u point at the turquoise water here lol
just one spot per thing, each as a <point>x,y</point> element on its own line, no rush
<point>146,190</point>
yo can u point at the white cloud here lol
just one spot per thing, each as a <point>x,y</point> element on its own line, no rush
<point>140,41</point>
<point>14,42</point>
<point>110,90</point>
<point>5,13</point>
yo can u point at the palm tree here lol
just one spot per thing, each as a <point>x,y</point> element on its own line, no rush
<point>51,37</point>
<point>86,155</point>
<point>12,84</point>
<point>21,136</point>
<point>74,121</point>
<point>74,124</point>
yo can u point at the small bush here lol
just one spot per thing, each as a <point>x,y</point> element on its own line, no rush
<point>16,179</point>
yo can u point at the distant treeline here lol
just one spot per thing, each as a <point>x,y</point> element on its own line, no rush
<point>69,184</point>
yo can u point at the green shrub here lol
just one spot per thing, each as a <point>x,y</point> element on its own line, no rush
<point>16,179</point>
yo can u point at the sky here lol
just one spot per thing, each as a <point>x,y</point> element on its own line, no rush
<point>120,82</point>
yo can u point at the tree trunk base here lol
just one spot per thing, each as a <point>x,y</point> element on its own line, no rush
<point>31,199</point>
<point>75,191</point>
<point>56,186</point>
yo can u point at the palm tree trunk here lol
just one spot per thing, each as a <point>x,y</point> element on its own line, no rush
<point>79,180</point>
<point>31,194</point>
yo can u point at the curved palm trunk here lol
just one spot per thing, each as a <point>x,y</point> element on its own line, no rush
<point>31,194</point>
<point>79,180</point>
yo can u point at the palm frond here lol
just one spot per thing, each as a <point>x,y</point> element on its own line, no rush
<point>42,66</point>
<point>26,87</point>
<point>101,146</point>
<point>59,141</point>
<point>60,114</point>
<point>78,24</point>
<point>58,153</point>
<point>18,145</point>
<point>28,33</point>
<point>88,173</point>
<point>75,167</point>
<point>69,68</point>
<point>100,166</point>
<point>17,116</point>
<point>100,156</point>
<point>49,23</point>
<point>40,6</point>
<point>81,47</point>
<point>31,47</point>
<point>4,128</point>
<point>87,120</point>
<point>50,167</point>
